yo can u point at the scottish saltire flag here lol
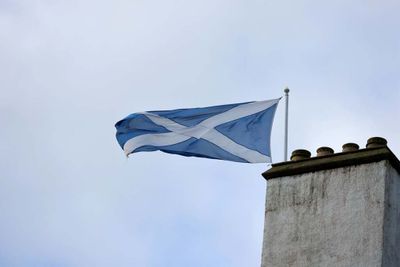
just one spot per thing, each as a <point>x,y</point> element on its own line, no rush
<point>236,132</point>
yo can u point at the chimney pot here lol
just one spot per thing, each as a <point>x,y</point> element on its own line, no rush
<point>324,150</point>
<point>350,147</point>
<point>300,154</point>
<point>376,142</point>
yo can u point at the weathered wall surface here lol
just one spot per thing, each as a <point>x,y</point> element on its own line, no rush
<point>391,236</point>
<point>331,218</point>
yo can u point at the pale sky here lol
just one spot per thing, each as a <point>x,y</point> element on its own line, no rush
<point>70,69</point>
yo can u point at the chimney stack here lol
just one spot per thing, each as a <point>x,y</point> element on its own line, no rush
<point>338,209</point>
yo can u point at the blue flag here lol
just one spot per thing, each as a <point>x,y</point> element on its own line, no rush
<point>236,132</point>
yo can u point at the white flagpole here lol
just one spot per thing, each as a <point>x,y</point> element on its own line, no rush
<point>286,122</point>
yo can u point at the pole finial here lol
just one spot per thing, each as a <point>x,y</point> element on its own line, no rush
<point>286,90</point>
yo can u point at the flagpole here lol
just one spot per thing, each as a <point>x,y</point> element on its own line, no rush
<point>286,121</point>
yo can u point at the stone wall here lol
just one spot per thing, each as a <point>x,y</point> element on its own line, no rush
<point>346,216</point>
